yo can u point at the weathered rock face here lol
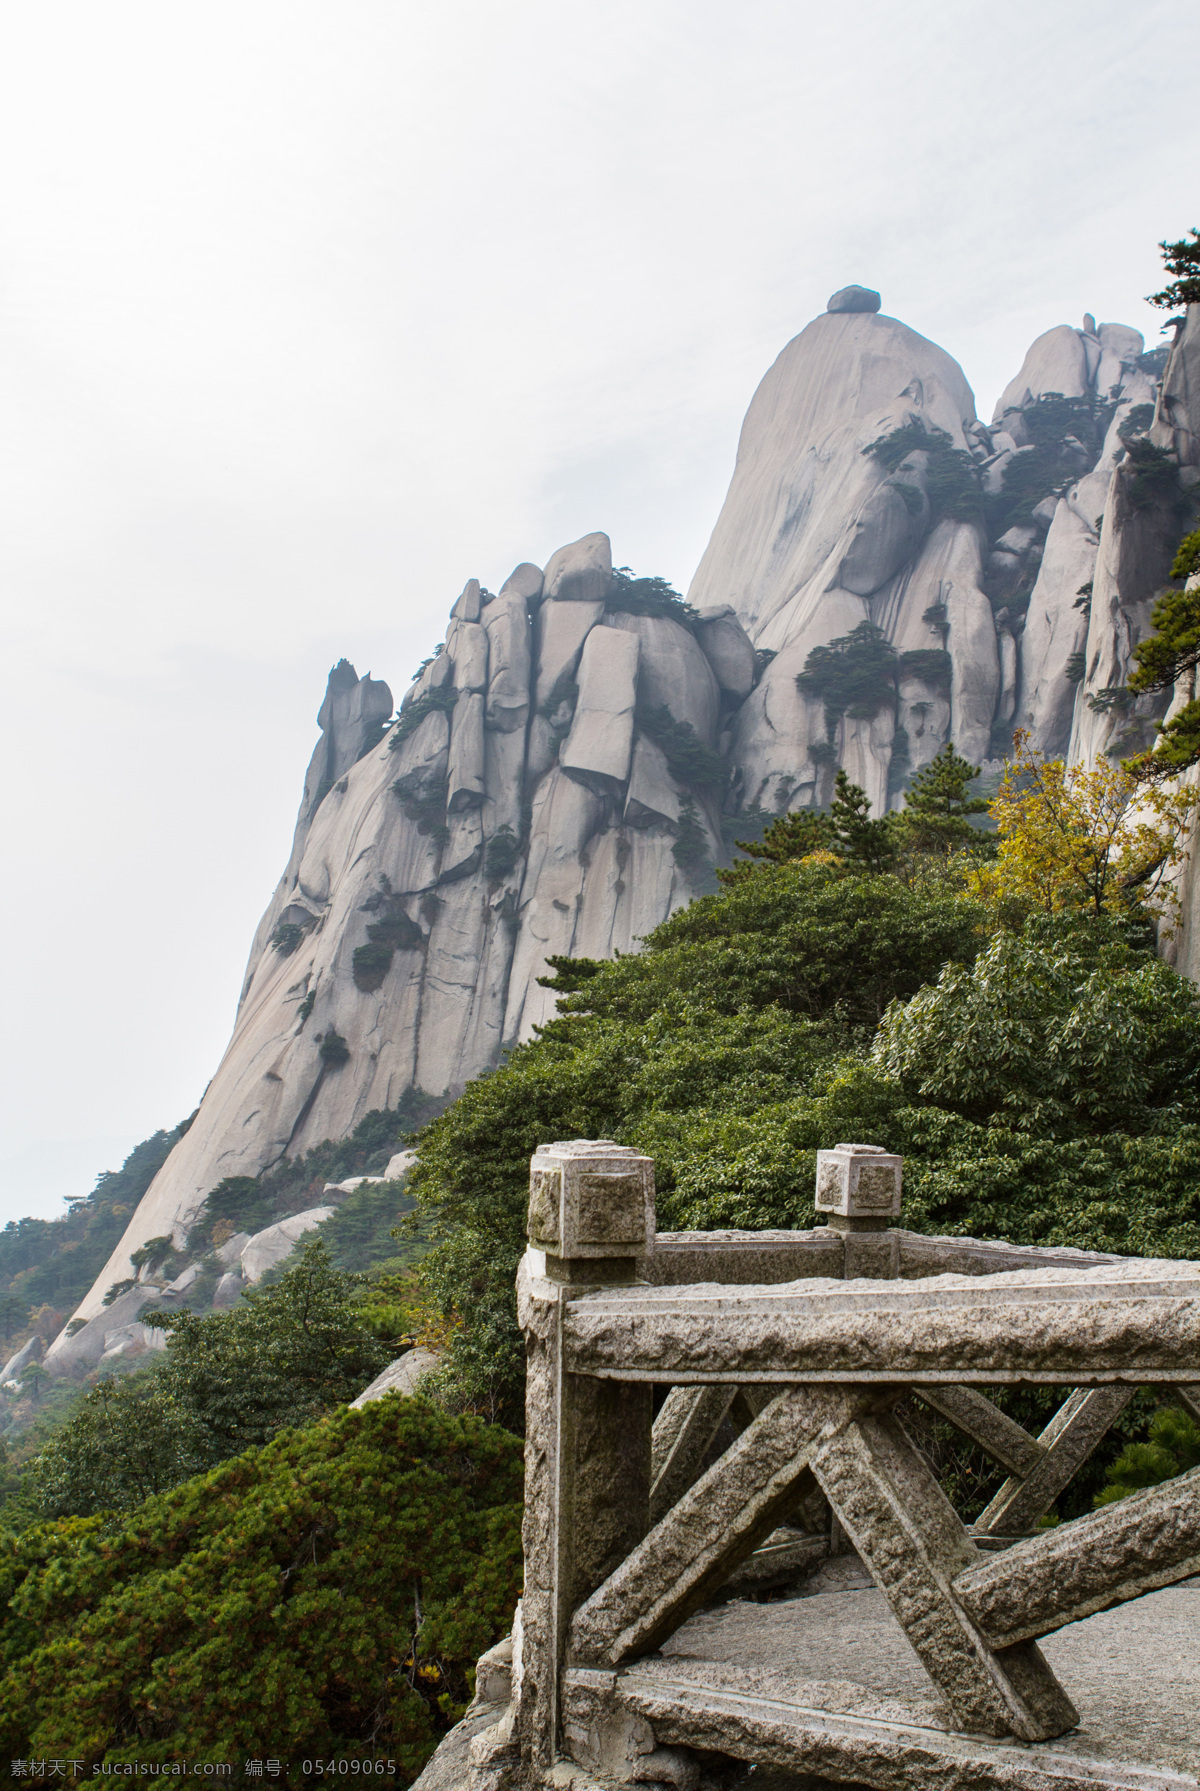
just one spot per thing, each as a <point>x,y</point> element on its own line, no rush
<point>436,865</point>
<point>818,536</point>
<point>20,1360</point>
<point>267,1248</point>
<point>401,1376</point>
<point>548,785</point>
<point>1054,547</point>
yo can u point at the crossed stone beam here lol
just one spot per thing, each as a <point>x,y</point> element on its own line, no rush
<point>972,1622</point>
<point>627,1534</point>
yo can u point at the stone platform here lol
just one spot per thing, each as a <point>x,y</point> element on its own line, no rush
<point>826,1686</point>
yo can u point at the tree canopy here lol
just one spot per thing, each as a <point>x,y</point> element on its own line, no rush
<point>285,1355</point>
<point>324,1595</point>
<point>1103,840</point>
<point>1168,658</point>
<point>934,822</point>
<point>1037,1070</point>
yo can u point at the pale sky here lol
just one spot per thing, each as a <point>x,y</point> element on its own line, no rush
<point>308,313</point>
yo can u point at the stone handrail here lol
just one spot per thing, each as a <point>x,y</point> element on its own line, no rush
<point>805,1343</point>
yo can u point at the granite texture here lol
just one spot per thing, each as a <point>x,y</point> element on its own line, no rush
<point>1133,1546</point>
<point>718,1522</point>
<point>828,1686</point>
<point>683,1430</point>
<point>1064,1446</point>
<point>912,1542</point>
<point>1131,1322</point>
<point>451,1768</point>
<point>975,1414</point>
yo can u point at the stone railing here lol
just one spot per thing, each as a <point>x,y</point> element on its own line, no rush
<point>785,1356</point>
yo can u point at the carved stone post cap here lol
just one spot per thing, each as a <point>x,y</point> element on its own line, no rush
<point>589,1197</point>
<point>859,1181</point>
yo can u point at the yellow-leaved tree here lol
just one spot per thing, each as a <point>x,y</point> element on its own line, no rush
<point>1102,841</point>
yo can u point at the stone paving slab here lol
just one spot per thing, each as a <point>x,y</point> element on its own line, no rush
<point>1133,1672</point>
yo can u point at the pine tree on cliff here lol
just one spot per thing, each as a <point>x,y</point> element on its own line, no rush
<point>937,809</point>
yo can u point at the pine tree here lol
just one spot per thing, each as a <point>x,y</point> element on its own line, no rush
<point>865,844</point>
<point>1183,260</point>
<point>1170,657</point>
<point>936,812</point>
<point>792,837</point>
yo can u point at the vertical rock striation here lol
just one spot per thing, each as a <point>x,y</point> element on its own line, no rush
<point>819,535</point>
<point>516,807</point>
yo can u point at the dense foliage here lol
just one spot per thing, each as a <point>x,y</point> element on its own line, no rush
<point>741,1005</point>
<point>1171,1447</point>
<point>1169,656</point>
<point>937,820</point>
<point>1062,1031</point>
<point>649,596</point>
<point>326,1595</point>
<point>949,474</point>
<point>439,700</point>
<point>1059,438</point>
<point>250,1202</point>
<point>1102,840</point>
<point>1040,1071</point>
<point>285,1355</point>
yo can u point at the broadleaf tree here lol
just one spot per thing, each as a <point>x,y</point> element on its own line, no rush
<point>1102,840</point>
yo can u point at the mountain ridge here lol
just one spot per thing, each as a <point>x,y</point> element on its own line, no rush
<point>563,772</point>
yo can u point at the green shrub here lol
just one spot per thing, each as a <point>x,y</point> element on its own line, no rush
<point>240,1199</point>
<point>329,1593</point>
<point>1187,557</point>
<point>370,964</point>
<point>951,479</point>
<point>1182,259</point>
<point>689,761</point>
<point>154,1252</point>
<point>1066,1028</point>
<point>251,1202</point>
<point>854,675</point>
<point>648,597</point>
<point>285,1355</point>
<point>690,850</point>
<point>502,854</point>
<point>286,938</point>
<point>1153,476</point>
<point>428,703</point>
<point>1173,1447</point>
<point>333,1050</point>
<point>423,799</point>
<point>392,932</point>
<point>931,664</point>
<point>1136,421</point>
<point>359,1233</point>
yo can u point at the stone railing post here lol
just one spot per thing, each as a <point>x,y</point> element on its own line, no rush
<point>587,1440</point>
<point>858,1190</point>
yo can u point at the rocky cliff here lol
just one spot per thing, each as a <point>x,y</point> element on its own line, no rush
<point>566,767</point>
